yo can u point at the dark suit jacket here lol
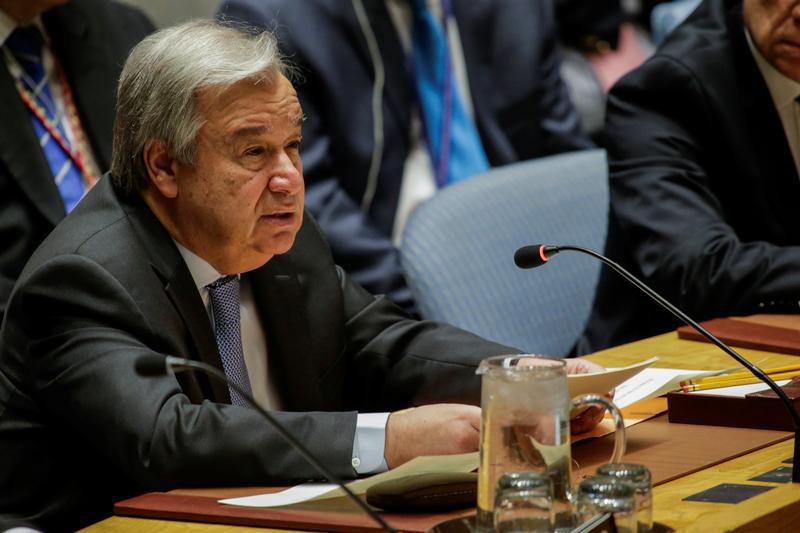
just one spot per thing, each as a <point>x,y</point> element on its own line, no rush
<point>79,427</point>
<point>704,190</point>
<point>521,106</point>
<point>91,38</point>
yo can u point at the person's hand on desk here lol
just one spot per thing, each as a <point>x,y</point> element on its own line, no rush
<point>442,429</point>
<point>587,419</point>
<point>438,429</point>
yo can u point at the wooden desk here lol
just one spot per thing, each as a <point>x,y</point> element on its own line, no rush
<point>775,510</point>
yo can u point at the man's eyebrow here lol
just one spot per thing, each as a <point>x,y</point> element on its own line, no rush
<point>250,131</point>
<point>260,130</point>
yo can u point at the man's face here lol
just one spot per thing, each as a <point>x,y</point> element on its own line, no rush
<point>774,26</point>
<point>242,200</point>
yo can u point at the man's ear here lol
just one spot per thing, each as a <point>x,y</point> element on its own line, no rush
<point>161,167</point>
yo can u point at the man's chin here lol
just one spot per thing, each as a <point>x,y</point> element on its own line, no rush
<point>279,244</point>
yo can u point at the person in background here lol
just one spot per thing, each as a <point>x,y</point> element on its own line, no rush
<point>403,97</point>
<point>704,152</point>
<point>59,67</point>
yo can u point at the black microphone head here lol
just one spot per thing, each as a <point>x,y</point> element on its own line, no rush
<point>530,256</point>
<point>151,364</point>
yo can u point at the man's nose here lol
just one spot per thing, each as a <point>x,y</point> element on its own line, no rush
<point>286,178</point>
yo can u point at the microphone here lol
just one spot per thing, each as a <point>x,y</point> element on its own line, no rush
<point>538,254</point>
<point>152,364</point>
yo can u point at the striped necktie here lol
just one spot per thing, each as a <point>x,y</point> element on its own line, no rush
<point>453,141</point>
<point>224,296</point>
<point>25,44</point>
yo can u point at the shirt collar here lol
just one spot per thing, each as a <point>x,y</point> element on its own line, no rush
<point>782,89</point>
<point>8,25</point>
<point>202,272</point>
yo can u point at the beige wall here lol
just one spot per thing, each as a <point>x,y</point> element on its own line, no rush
<point>167,12</point>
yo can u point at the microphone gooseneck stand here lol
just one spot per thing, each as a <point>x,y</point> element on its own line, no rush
<point>155,365</point>
<point>538,254</point>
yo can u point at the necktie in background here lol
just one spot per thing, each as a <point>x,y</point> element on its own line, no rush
<point>453,141</point>
<point>25,44</point>
<point>224,296</point>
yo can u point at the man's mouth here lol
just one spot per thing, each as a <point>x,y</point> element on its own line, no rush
<point>282,218</point>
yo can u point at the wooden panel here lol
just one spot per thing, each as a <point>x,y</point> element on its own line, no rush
<point>775,510</point>
<point>674,450</point>
<point>341,515</point>
<point>675,353</point>
<point>744,334</point>
<point>781,321</point>
<point>122,524</point>
<point>750,411</point>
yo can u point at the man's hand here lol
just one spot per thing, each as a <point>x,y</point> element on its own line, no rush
<point>582,366</point>
<point>439,429</point>
<point>588,418</point>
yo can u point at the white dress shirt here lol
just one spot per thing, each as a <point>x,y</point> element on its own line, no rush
<point>370,437</point>
<point>784,92</point>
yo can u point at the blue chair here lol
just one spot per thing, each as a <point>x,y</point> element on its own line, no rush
<point>458,251</point>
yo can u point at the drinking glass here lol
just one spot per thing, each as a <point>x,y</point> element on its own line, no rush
<point>639,477</point>
<point>606,494</point>
<point>523,502</point>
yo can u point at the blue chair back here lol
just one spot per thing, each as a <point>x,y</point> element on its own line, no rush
<point>458,251</point>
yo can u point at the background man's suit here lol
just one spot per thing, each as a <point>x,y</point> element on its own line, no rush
<point>522,109</point>
<point>704,190</point>
<point>91,38</point>
<point>78,427</point>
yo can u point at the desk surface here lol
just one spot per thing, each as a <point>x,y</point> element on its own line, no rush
<point>772,511</point>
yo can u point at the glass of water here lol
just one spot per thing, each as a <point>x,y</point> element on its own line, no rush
<point>606,494</point>
<point>524,502</point>
<point>639,477</point>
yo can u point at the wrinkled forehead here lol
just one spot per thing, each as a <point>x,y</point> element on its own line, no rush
<point>251,101</point>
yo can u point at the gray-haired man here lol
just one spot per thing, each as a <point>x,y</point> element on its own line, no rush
<point>197,246</point>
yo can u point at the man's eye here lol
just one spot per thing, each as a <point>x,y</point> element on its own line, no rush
<point>254,151</point>
<point>294,145</point>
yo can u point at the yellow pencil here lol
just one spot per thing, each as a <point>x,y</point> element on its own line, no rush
<point>739,375</point>
<point>735,382</point>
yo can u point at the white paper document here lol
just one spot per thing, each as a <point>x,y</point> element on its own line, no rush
<point>603,382</point>
<point>465,462</point>
<point>654,382</point>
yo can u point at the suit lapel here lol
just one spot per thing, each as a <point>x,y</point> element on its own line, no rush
<point>181,290</point>
<point>397,87</point>
<point>279,296</point>
<point>475,25</point>
<point>20,153</point>
<point>184,296</point>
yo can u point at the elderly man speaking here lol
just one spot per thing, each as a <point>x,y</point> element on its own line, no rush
<point>197,246</point>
